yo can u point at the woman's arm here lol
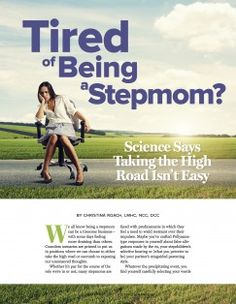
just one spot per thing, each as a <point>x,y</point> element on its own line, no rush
<point>82,117</point>
<point>41,110</point>
<point>70,108</point>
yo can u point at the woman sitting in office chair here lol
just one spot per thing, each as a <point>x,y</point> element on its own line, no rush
<point>57,109</point>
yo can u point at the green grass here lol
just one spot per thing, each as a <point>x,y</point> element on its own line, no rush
<point>106,147</point>
<point>7,135</point>
<point>19,128</point>
<point>20,149</point>
<point>118,294</point>
<point>17,146</point>
<point>164,191</point>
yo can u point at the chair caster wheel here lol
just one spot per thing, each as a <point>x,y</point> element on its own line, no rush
<point>85,168</point>
<point>39,167</point>
<point>72,175</point>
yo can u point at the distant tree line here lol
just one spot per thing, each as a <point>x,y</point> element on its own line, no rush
<point>103,132</point>
<point>22,124</point>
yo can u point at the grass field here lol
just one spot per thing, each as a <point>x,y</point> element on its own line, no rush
<point>106,147</point>
<point>27,129</point>
<point>19,128</point>
<point>118,294</point>
<point>160,192</point>
<point>7,135</point>
<point>17,146</point>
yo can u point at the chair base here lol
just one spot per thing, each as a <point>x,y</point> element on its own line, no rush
<point>66,163</point>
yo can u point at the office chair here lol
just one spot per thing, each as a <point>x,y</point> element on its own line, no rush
<point>61,162</point>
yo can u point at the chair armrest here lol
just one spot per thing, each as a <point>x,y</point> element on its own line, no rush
<point>39,125</point>
<point>82,131</point>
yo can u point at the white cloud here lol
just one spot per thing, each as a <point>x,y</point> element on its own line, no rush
<point>22,70</point>
<point>172,78</point>
<point>205,27</point>
<point>13,14</point>
<point>28,117</point>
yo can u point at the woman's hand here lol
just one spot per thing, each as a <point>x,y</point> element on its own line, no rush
<point>40,113</point>
<point>86,126</point>
<point>86,123</point>
<point>41,99</point>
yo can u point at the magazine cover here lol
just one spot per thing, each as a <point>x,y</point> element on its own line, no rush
<point>117,151</point>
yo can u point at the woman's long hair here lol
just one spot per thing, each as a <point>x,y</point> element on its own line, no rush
<point>50,89</point>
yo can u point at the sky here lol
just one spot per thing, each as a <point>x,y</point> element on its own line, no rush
<point>176,44</point>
